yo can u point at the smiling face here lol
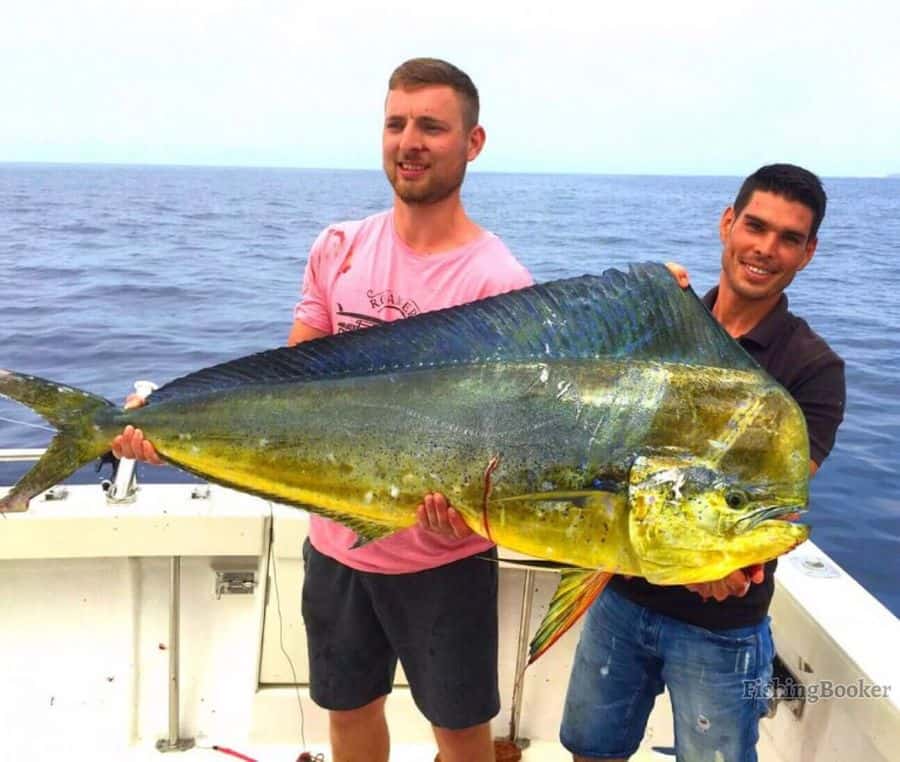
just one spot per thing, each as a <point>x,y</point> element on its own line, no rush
<point>426,143</point>
<point>765,245</point>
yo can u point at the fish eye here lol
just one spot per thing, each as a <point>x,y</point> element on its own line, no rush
<point>735,498</point>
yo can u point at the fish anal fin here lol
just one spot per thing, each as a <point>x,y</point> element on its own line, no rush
<point>366,531</point>
<point>538,564</point>
<point>578,589</point>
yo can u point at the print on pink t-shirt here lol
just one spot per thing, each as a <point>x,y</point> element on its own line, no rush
<point>361,274</point>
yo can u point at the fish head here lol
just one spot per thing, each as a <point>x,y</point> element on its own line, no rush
<point>690,521</point>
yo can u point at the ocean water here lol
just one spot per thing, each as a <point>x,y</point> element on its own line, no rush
<point>111,274</point>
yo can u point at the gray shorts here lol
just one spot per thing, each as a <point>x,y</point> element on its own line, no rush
<point>441,623</point>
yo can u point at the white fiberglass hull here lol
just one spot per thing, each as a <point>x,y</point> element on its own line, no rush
<point>86,642</point>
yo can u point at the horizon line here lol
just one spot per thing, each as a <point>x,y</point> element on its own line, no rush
<point>473,170</point>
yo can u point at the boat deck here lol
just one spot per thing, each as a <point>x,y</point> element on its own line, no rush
<point>87,640</point>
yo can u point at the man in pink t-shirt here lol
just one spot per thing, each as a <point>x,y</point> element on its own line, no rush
<point>425,594</point>
<point>361,274</point>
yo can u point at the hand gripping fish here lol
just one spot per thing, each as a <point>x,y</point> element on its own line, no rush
<point>606,424</point>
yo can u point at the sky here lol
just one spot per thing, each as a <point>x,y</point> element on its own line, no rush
<point>631,86</point>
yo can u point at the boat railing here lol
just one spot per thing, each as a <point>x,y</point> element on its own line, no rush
<point>121,488</point>
<point>14,455</point>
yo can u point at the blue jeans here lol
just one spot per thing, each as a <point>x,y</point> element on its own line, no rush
<point>627,654</point>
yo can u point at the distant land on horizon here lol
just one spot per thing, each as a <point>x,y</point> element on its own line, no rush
<point>473,169</point>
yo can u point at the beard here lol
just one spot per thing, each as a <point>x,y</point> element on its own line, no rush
<point>431,190</point>
<point>733,269</point>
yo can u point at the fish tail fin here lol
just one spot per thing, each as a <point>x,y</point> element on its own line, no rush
<point>78,440</point>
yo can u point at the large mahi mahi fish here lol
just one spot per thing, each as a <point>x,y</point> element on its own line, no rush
<point>605,424</point>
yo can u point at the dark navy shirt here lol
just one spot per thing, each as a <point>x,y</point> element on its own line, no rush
<point>801,361</point>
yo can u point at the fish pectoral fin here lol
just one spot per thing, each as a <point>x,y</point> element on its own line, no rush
<point>578,589</point>
<point>580,497</point>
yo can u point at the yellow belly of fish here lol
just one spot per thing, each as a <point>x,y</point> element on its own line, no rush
<point>301,484</point>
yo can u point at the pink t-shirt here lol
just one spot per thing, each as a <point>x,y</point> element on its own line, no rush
<point>361,274</point>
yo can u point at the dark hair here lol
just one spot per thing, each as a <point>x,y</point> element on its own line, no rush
<point>789,181</point>
<point>421,72</point>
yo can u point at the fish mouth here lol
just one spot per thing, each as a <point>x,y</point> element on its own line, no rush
<point>767,513</point>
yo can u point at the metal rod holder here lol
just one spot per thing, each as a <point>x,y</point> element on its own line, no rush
<point>123,488</point>
<point>174,742</point>
<point>124,485</point>
<point>521,663</point>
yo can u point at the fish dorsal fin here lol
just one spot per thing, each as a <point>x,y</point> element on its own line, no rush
<point>578,589</point>
<point>641,314</point>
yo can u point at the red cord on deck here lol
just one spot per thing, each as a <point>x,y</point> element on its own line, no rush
<point>233,753</point>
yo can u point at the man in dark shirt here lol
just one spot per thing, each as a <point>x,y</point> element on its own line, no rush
<point>708,642</point>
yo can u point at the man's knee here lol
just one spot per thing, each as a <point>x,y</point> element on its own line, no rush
<point>361,734</point>
<point>353,718</point>
<point>472,743</point>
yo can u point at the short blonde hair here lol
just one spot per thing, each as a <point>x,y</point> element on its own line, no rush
<point>421,72</point>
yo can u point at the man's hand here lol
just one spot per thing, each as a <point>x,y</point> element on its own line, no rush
<point>679,273</point>
<point>131,443</point>
<point>437,515</point>
<point>737,583</point>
